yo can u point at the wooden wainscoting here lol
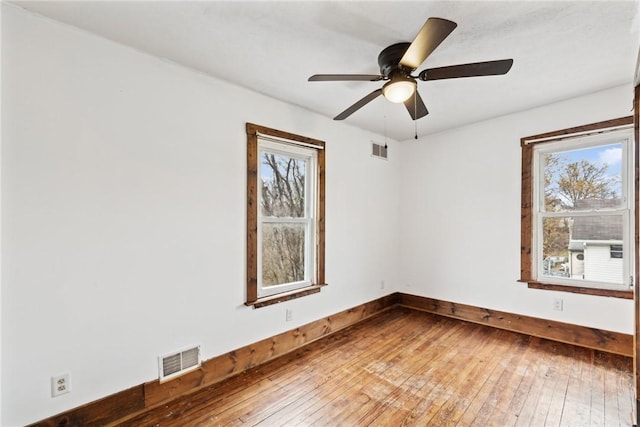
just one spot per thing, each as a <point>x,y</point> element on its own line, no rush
<point>132,402</point>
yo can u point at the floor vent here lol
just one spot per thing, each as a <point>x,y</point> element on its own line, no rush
<point>176,364</point>
<point>378,150</point>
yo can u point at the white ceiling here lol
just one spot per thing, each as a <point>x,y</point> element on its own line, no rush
<point>560,49</point>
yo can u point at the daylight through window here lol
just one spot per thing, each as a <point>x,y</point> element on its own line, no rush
<point>578,228</point>
<point>286,230</point>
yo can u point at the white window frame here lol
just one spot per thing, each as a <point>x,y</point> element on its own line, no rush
<point>626,210</point>
<point>309,155</point>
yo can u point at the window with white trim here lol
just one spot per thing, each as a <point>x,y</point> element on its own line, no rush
<point>578,209</point>
<point>285,220</point>
<point>286,225</point>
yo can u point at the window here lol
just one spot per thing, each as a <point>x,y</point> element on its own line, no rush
<point>577,209</point>
<point>615,251</point>
<point>285,216</point>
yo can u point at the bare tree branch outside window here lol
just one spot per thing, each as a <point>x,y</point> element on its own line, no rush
<point>283,196</point>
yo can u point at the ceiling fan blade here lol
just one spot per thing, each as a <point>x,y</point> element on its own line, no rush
<point>361,103</point>
<point>344,77</point>
<point>415,106</point>
<point>432,33</point>
<point>488,68</point>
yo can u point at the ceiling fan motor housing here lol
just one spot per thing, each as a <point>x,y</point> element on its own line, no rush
<point>389,59</point>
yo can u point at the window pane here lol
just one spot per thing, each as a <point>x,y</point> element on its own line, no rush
<point>583,248</point>
<point>283,251</point>
<point>282,185</point>
<point>583,179</point>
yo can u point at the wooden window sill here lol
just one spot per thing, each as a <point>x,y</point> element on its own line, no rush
<point>614,293</point>
<point>285,296</point>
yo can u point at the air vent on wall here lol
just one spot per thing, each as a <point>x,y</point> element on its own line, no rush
<point>179,363</point>
<point>378,150</point>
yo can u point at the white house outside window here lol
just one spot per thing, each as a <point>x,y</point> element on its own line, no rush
<point>582,210</point>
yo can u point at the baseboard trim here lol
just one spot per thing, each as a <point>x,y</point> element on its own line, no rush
<point>597,339</point>
<point>128,403</point>
<point>235,362</point>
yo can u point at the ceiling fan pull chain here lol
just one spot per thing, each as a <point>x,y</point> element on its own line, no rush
<point>415,112</point>
<point>384,109</point>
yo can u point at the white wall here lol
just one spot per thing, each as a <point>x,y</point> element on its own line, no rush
<point>123,215</point>
<point>461,214</point>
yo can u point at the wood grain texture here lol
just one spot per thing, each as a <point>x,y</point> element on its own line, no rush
<point>526,213</point>
<point>238,361</point>
<point>621,121</point>
<point>626,294</point>
<point>636,181</point>
<point>613,342</point>
<point>320,217</point>
<point>252,213</point>
<point>411,368</point>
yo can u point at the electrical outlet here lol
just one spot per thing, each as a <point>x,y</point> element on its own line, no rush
<point>382,284</point>
<point>60,385</point>
<point>288,315</point>
<point>557,304</point>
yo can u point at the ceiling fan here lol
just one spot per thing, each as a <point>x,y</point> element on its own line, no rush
<point>399,60</point>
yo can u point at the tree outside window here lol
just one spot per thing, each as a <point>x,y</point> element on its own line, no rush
<point>285,215</point>
<point>577,194</point>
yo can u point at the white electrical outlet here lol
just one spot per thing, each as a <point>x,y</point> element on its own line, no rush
<point>557,304</point>
<point>288,315</point>
<point>382,284</point>
<point>60,385</point>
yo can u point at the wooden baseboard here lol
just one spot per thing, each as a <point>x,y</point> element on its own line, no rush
<point>100,412</point>
<point>238,361</point>
<point>597,339</point>
<point>128,403</point>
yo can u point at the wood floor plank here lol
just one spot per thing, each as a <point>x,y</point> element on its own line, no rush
<point>624,383</point>
<point>337,404</point>
<point>583,416</point>
<point>405,367</point>
<point>495,395</point>
<point>255,407</point>
<point>537,380</point>
<point>551,407</point>
<point>395,407</point>
<point>459,363</point>
<point>346,374</point>
<point>572,402</point>
<point>465,386</point>
<point>397,375</point>
<point>596,417</point>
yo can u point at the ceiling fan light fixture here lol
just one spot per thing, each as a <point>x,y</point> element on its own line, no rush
<point>399,89</point>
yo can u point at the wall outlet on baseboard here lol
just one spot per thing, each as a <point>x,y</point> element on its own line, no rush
<point>288,315</point>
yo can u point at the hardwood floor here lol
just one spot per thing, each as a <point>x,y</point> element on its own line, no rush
<point>405,367</point>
